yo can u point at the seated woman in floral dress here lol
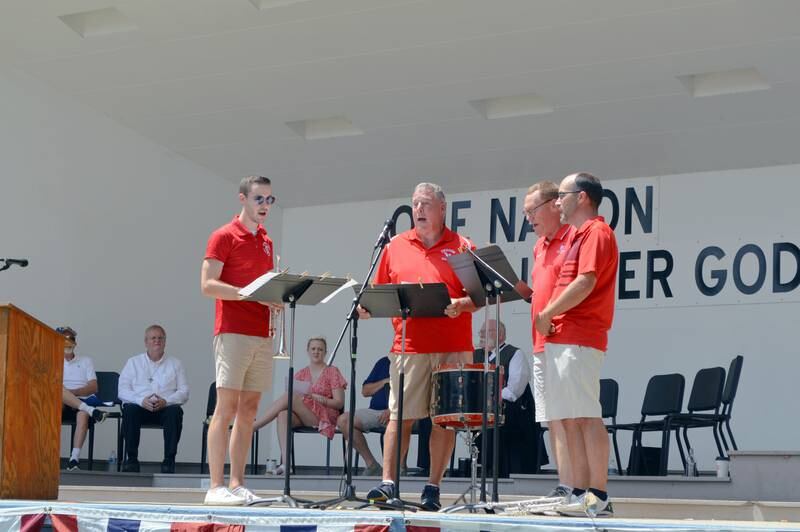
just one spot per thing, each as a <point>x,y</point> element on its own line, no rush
<point>315,404</point>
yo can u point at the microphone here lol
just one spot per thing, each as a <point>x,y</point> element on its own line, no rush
<point>17,262</point>
<point>383,237</point>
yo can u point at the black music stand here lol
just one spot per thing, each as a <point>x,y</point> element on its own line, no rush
<point>348,492</point>
<point>293,289</point>
<point>418,300</point>
<point>487,275</point>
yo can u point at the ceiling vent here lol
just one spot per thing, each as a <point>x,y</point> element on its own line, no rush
<point>512,106</point>
<point>98,22</point>
<point>269,4</point>
<point>325,128</point>
<point>725,82</point>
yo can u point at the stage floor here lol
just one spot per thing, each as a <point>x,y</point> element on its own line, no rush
<point>86,516</point>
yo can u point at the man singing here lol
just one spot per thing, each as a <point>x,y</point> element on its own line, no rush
<point>420,256</point>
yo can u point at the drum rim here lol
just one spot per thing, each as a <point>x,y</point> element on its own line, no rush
<point>463,419</point>
<point>462,366</point>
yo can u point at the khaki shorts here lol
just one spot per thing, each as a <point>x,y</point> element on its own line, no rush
<point>243,362</point>
<point>417,390</point>
<point>572,381</point>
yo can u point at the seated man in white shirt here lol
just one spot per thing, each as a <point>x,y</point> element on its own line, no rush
<point>152,388</point>
<point>77,394</point>
<point>520,437</point>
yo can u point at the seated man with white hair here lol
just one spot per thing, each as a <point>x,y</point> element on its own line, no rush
<point>152,388</point>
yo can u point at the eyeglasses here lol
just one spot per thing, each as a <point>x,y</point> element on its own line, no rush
<point>261,200</point>
<point>531,212</point>
<point>562,195</point>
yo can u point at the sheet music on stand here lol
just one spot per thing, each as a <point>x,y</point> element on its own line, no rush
<point>488,265</point>
<point>278,286</point>
<point>388,300</point>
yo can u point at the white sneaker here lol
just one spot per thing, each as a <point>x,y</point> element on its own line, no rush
<point>587,505</point>
<point>249,496</point>
<point>569,499</point>
<point>222,496</point>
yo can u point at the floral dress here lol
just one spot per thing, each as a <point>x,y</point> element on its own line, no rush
<point>330,379</point>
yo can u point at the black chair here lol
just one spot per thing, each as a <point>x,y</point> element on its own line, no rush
<point>705,399</point>
<point>728,395</point>
<point>313,430</point>
<point>663,397</point>
<point>211,404</point>
<point>107,393</point>
<point>609,399</point>
<point>719,419</point>
<point>107,390</point>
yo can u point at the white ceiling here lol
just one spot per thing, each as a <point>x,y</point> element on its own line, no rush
<point>217,80</point>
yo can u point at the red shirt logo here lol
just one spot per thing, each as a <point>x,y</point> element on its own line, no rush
<point>448,253</point>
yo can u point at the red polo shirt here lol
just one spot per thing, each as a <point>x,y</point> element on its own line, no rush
<point>548,256</point>
<point>406,260</point>
<point>245,257</point>
<point>593,249</point>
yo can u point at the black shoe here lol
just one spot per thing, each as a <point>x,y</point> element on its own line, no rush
<point>168,467</point>
<point>381,493</point>
<point>430,498</point>
<point>73,465</point>
<point>130,466</point>
<point>98,416</point>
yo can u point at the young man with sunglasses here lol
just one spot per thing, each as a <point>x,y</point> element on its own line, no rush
<point>575,323</point>
<point>237,253</point>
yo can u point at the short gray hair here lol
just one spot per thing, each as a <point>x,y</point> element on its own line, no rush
<point>432,187</point>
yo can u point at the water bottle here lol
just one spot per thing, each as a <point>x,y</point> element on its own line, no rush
<point>112,461</point>
<point>691,465</point>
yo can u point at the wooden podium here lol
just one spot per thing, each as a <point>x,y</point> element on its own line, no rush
<point>31,368</point>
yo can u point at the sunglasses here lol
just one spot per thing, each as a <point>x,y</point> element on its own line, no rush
<point>261,200</point>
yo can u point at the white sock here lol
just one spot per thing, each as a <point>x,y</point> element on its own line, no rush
<point>76,454</point>
<point>387,482</point>
<point>86,408</point>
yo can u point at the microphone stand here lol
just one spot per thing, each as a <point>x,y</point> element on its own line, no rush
<point>348,492</point>
<point>7,263</point>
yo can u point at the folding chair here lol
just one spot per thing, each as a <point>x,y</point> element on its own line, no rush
<point>663,397</point>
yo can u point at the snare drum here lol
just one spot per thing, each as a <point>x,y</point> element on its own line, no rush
<point>456,397</point>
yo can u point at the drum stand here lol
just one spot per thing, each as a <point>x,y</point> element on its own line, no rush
<point>469,436</point>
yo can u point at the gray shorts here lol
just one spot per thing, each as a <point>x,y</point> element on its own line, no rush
<point>369,419</point>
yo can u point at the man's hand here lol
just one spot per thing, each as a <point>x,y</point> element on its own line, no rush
<point>455,308</point>
<point>363,314</point>
<point>148,405</point>
<point>384,419</point>
<point>544,324</point>
<point>159,403</point>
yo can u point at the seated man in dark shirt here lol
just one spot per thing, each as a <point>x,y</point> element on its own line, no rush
<point>366,419</point>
